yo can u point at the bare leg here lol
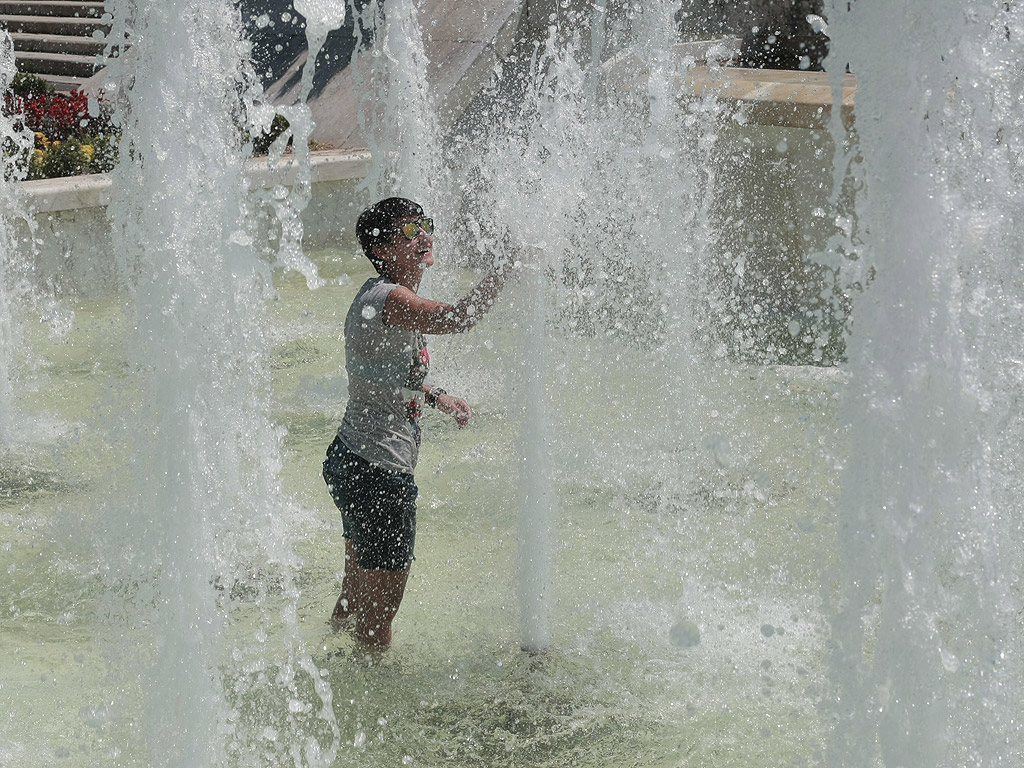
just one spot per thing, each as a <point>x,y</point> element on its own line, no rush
<point>372,597</point>
<point>380,595</point>
<point>344,609</point>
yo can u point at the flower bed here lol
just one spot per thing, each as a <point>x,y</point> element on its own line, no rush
<point>69,141</point>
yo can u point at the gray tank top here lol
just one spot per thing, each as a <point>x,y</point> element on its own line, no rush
<point>387,368</point>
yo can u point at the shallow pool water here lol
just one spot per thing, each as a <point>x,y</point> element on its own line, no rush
<point>694,561</point>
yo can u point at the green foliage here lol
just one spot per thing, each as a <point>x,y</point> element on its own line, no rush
<point>63,158</point>
<point>104,153</point>
<point>72,157</point>
<point>27,85</point>
<point>261,143</point>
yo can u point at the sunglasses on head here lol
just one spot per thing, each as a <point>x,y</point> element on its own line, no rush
<point>412,229</point>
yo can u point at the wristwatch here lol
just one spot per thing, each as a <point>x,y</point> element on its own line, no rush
<point>430,397</point>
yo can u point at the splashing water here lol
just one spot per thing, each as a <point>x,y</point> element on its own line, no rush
<point>924,634</point>
<point>536,168</point>
<point>322,17</point>
<point>15,141</point>
<point>201,507</point>
<point>7,329</point>
<point>396,109</point>
<point>738,572</point>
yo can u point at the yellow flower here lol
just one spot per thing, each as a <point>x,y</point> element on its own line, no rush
<point>88,152</point>
<point>41,140</point>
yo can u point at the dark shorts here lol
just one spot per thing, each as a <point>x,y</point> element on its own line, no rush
<point>378,508</point>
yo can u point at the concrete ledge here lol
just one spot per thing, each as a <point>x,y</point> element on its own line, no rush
<point>67,194</point>
<point>329,165</point>
<point>784,98</point>
<point>94,191</point>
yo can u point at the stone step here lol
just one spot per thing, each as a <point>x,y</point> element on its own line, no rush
<point>52,25</point>
<point>64,8</point>
<point>64,83</point>
<point>82,46</point>
<point>67,64</point>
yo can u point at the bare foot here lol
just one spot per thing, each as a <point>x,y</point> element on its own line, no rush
<point>342,619</point>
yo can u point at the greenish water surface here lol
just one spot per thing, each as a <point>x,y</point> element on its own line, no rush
<point>710,516</point>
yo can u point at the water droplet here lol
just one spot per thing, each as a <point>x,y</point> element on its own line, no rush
<point>684,634</point>
<point>818,24</point>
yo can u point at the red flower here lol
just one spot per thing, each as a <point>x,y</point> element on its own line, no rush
<point>56,115</point>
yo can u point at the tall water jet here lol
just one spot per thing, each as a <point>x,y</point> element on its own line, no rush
<point>16,141</point>
<point>199,527</point>
<point>536,500</point>
<point>397,113</point>
<point>560,162</point>
<point>321,17</point>
<point>925,657</point>
<point>186,323</point>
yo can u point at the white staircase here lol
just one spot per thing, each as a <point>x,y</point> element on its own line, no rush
<point>58,40</point>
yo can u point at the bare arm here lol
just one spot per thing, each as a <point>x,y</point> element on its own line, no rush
<point>454,406</point>
<point>403,308</point>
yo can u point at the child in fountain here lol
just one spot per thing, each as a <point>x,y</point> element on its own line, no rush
<point>369,466</point>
